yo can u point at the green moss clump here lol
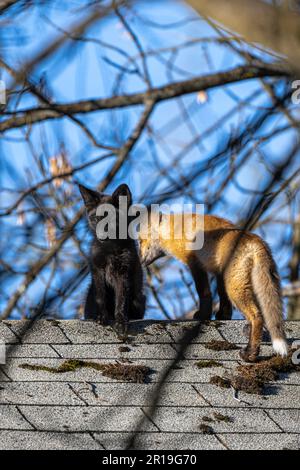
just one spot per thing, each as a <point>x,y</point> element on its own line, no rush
<point>246,384</point>
<point>220,346</point>
<point>118,371</point>
<point>217,417</point>
<point>220,381</point>
<point>207,419</point>
<point>67,366</point>
<point>223,418</point>
<point>252,378</point>
<point>269,369</point>
<point>256,376</point>
<point>238,383</point>
<point>123,349</point>
<point>206,429</point>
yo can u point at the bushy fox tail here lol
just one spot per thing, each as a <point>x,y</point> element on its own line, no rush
<point>266,285</point>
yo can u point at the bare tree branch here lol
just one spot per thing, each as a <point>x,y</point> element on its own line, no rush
<point>34,115</point>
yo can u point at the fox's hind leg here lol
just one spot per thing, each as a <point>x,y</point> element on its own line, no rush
<point>203,290</point>
<point>225,309</point>
<point>251,352</point>
<point>244,300</point>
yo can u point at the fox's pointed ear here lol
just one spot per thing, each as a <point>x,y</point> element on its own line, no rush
<point>124,191</point>
<point>89,196</point>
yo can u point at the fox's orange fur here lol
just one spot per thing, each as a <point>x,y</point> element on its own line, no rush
<point>243,264</point>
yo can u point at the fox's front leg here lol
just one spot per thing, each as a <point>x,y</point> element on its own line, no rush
<point>137,307</point>
<point>121,305</point>
<point>203,289</point>
<point>91,310</point>
<point>225,309</point>
<point>101,298</point>
<point>137,300</point>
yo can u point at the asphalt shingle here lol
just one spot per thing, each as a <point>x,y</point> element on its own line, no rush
<point>84,418</point>
<point>35,440</point>
<point>84,409</point>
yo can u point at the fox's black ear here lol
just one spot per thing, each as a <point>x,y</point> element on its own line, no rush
<point>89,196</point>
<point>122,190</point>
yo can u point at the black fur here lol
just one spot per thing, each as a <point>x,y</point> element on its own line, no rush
<point>116,292</point>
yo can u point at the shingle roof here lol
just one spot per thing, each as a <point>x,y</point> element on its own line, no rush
<point>84,409</point>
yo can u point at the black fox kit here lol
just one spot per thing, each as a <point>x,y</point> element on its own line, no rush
<point>243,264</point>
<point>116,291</point>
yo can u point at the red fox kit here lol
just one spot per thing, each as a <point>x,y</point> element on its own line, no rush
<point>243,264</point>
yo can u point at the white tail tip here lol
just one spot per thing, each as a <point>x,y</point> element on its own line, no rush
<point>280,347</point>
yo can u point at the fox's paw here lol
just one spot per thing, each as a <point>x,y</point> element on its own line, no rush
<point>200,317</point>
<point>224,313</point>
<point>202,314</point>
<point>248,355</point>
<point>104,320</point>
<point>121,328</point>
